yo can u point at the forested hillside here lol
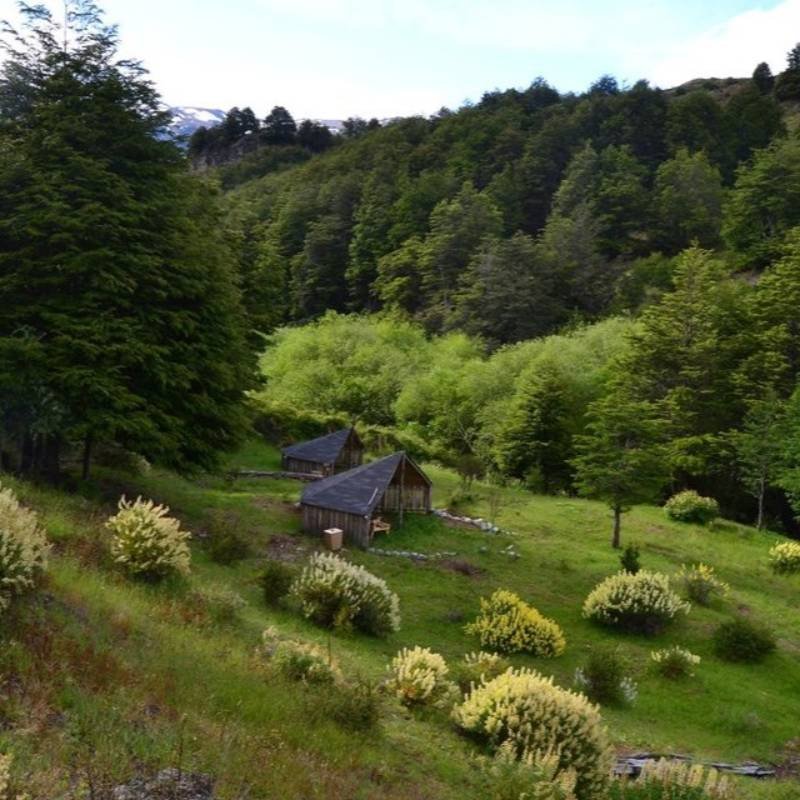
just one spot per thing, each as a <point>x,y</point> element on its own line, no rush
<point>528,210</point>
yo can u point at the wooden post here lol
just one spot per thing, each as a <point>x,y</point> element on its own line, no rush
<point>402,487</point>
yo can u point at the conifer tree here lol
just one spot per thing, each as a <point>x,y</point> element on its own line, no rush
<point>113,282</point>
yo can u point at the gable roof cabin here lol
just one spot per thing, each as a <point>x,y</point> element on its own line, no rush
<point>324,455</point>
<point>351,500</point>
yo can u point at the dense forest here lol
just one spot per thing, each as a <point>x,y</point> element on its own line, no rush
<point>591,293</point>
<point>533,214</point>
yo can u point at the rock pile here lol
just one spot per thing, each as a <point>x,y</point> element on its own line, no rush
<point>169,784</point>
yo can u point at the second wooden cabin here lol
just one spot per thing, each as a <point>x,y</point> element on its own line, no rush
<point>353,500</point>
<point>325,455</point>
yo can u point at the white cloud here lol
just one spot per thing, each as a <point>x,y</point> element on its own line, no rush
<point>732,48</point>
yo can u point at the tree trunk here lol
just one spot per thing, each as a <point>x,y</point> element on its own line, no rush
<point>615,541</point>
<point>87,457</point>
<point>761,491</point>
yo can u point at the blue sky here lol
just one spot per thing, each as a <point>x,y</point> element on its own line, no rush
<point>336,58</point>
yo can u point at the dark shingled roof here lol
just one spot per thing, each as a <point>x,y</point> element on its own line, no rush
<point>323,450</point>
<point>358,490</point>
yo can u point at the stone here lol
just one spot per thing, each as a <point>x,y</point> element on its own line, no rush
<point>169,784</point>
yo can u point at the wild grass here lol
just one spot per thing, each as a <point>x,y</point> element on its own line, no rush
<point>102,677</point>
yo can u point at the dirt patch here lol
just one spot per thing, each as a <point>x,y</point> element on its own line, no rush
<point>789,763</point>
<point>462,567</point>
<point>271,504</point>
<point>287,548</point>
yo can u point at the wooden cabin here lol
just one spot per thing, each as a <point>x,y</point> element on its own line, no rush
<point>354,500</point>
<point>325,455</point>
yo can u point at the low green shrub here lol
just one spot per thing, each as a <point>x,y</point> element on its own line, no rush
<point>689,506</point>
<point>533,715</point>
<point>743,640</point>
<point>533,776</point>
<point>24,549</point>
<point>604,679</point>
<point>337,594</point>
<point>673,780</point>
<point>674,662</point>
<point>147,543</point>
<point>508,624</point>
<point>701,584</point>
<point>226,547</point>
<point>784,558</point>
<point>353,706</point>
<point>220,603</point>
<point>641,603</point>
<point>630,559</point>
<point>478,667</point>
<point>276,581</point>
<point>418,677</point>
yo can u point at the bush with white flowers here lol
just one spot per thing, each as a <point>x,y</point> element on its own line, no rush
<point>689,506</point>
<point>418,677</point>
<point>23,547</point>
<point>337,594</point>
<point>148,543</point>
<point>784,558</point>
<point>534,715</point>
<point>642,603</point>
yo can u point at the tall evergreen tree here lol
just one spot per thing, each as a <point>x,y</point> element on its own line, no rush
<point>114,285</point>
<point>279,127</point>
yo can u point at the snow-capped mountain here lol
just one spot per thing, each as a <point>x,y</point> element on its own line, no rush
<point>187,119</point>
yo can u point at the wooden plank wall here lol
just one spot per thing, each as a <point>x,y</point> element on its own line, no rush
<point>356,528</point>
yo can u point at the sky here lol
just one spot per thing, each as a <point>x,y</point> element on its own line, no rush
<point>333,59</point>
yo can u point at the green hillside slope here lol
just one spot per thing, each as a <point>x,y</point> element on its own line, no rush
<point>102,677</point>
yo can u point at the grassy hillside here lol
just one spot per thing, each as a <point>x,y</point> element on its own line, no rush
<point>102,677</point>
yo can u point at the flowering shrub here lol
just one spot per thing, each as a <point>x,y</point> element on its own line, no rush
<point>509,624</point>
<point>532,776</point>
<point>419,677</point>
<point>785,557</point>
<point>604,679</point>
<point>23,547</point>
<point>299,661</point>
<point>479,667</point>
<point>674,662</point>
<point>701,583</point>
<point>643,602</point>
<point>533,715</point>
<point>337,594</point>
<point>147,542</point>
<point>7,791</point>
<point>674,780</point>
<point>689,506</point>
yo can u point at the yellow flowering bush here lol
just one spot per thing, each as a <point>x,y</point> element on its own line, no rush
<point>478,667</point>
<point>784,557</point>
<point>532,714</point>
<point>419,677</point>
<point>689,506</point>
<point>508,624</point>
<point>532,776</point>
<point>674,662</point>
<point>337,594</point>
<point>643,602</point>
<point>148,543</point>
<point>6,790</point>
<point>702,584</point>
<point>23,547</point>
<point>676,780</point>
